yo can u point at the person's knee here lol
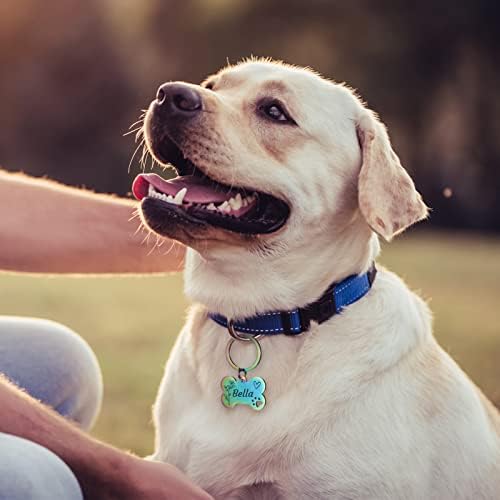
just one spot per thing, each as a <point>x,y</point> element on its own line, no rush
<point>56,366</point>
<point>77,375</point>
<point>30,472</point>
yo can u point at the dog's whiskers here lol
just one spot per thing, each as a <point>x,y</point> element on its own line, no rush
<point>155,245</point>
<point>146,241</point>
<point>153,161</point>
<point>146,238</point>
<point>133,155</point>
<point>139,134</point>
<point>144,156</point>
<point>135,215</point>
<point>138,130</point>
<point>141,227</point>
<point>140,120</point>
<point>139,123</point>
<point>170,248</point>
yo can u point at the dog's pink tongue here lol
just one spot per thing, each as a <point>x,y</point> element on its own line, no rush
<point>199,190</point>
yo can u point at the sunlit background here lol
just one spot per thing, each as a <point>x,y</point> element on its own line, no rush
<point>75,74</point>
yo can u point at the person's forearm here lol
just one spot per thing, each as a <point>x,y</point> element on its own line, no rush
<point>96,465</point>
<point>103,472</point>
<point>49,228</point>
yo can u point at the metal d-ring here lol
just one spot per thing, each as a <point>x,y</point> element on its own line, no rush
<point>253,365</point>
<point>239,336</point>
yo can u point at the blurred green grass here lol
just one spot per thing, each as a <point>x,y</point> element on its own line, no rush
<point>132,322</point>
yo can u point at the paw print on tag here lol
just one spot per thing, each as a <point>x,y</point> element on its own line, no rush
<point>243,392</point>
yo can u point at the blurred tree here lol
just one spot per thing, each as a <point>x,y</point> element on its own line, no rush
<point>62,92</point>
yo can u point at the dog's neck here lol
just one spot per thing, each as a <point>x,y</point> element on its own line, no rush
<point>245,286</point>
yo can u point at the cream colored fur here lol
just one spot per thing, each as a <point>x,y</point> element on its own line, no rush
<point>364,406</point>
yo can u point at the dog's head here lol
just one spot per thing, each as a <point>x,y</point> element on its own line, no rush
<point>270,157</point>
<point>262,148</point>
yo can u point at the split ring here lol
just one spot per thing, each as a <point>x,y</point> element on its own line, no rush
<point>257,358</point>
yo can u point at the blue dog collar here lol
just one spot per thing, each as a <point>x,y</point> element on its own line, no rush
<point>297,321</point>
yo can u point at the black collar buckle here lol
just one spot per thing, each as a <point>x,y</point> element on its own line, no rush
<point>320,311</point>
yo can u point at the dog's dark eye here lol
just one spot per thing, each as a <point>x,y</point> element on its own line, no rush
<point>275,112</point>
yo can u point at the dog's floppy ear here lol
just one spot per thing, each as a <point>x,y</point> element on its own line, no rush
<point>387,196</point>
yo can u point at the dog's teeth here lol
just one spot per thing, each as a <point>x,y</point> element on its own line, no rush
<point>236,202</point>
<point>248,200</point>
<point>211,207</point>
<point>179,197</point>
<point>225,207</point>
<point>151,190</point>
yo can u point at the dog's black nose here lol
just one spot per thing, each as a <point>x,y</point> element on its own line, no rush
<point>178,99</point>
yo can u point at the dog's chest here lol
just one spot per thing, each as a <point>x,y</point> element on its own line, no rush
<point>224,449</point>
<point>217,445</point>
<point>292,442</point>
<point>300,441</point>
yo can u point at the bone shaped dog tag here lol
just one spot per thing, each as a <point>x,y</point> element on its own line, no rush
<point>236,391</point>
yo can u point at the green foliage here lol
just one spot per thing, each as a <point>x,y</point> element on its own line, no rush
<point>132,322</point>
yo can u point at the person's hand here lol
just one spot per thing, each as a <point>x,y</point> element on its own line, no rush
<point>147,480</point>
<point>103,472</point>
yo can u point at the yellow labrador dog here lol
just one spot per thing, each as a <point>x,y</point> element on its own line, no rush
<point>285,180</point>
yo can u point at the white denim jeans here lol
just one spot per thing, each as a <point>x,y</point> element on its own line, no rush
<point>57,367</point>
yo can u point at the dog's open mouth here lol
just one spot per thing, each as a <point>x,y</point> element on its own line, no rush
<point>197,198</point>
